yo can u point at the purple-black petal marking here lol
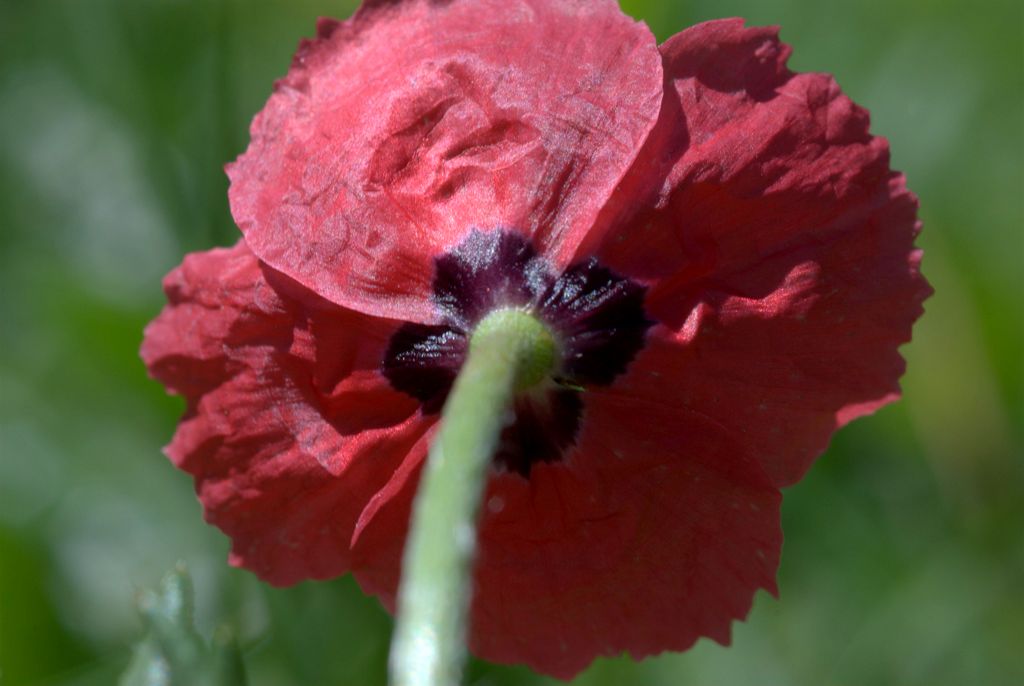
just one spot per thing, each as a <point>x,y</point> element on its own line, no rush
<point>596,315</point>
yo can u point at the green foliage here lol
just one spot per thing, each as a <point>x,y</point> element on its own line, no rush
<point>172,653</point>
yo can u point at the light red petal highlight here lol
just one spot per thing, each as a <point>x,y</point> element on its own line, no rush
<point>398,131</point>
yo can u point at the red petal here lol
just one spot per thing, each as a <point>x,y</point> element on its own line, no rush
<point>776,241</point>
<point>656,530</point>
<point>786,353</point>
<point>401,129</point>
<point>747,159</point>
<point>290,428</point>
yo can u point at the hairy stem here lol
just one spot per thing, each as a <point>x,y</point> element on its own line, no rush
<point>509,351</point>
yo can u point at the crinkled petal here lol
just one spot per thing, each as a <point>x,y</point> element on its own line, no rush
<point>397,132</point>
<point>776,242</point>
<point>785,353</point>
<point>656,530</point>
<point>290,429</point>
<point>748,159</point>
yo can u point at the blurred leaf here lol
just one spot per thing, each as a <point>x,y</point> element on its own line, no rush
<point>172,652</point>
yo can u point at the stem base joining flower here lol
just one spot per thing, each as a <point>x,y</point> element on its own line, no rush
<point>594,319</point>
<point>535,352</point>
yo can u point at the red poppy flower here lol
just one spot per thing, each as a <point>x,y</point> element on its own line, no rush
<point>718,243</point>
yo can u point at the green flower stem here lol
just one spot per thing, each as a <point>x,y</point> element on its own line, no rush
<point>509,351</point>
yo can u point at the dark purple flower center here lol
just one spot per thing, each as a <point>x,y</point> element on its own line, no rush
<point>596,315</point>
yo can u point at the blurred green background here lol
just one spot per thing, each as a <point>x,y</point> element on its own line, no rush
<point>904,549</point>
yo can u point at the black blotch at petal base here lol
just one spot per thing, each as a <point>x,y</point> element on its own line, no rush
<point>597,316</point>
